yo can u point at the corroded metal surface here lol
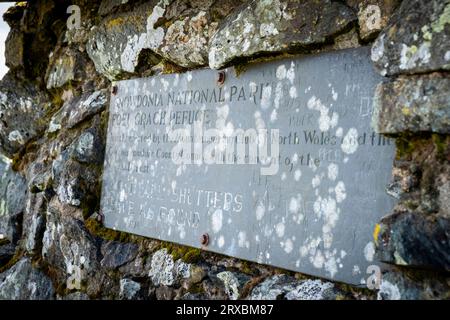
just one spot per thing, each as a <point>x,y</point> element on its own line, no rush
<point>315,215</point>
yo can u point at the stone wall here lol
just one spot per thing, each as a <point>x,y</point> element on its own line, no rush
<point>54,110</point>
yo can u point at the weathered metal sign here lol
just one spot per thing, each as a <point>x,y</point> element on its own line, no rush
<point>192,158</point>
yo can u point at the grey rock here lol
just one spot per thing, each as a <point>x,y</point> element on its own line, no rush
<point>107,6</point>
<point>22,113</point>
<point>39,176</point>
<point>415,239</point>
<point>123,40</point>
<point>6,253</point>
<point>34,222</point>
<point>164,293</point>
<point>74,178</point>
<point>25,282</point>
<point>373,15</point>
<point>401,286</point>
<point>213,288</point>
<point>275,26</point>
<point>234,283</point>
<point>416,40</point>
<point>88,148</point>
<point>14,46</point>
<point>413,104</point>
<point>116,254</point>
<point>312,290</point>
<point>129,289</point>
<point>78,109</point>
<point>114,46</point>
<point>285,287</point>
<point>72,252</point>
<point>138,267</point>
<point>12,203</point>
<point>165,271</point>
<point>193,296</point>
<point>66,65</point>
<point>76,296</point>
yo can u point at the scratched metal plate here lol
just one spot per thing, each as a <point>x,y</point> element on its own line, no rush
<point>316,215</point>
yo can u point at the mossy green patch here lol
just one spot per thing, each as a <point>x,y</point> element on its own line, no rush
<point>186,254</point>
<point>97,229</point>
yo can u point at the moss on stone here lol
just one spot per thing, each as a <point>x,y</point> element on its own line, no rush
<point>185,253</point>
<point>97,229</point>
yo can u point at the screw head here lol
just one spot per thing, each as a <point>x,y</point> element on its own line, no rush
<point>204,239</point>
<point>220,78</point>
<point>114,90</point>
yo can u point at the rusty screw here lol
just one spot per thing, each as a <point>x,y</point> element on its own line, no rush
<point>204,240</point>
<point>114,90</point>
<point>220,78</point>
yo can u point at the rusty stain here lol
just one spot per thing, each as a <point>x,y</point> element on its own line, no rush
<point>114,90</point>
<point>220,78</point>
<point>204,240</point>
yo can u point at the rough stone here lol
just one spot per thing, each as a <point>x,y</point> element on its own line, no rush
<point>14,46</point>
<point>107,6</point>
<point>75,296</point>
<point>34,222</point>
<point>164,293</point>
<point>416,40</point>
<point>284,287</point>
<point>25,282</point>
<point>22,113</point>
<point>401,286</point>
<point>413,239</point>
<point>165,271</point>
<point>12,203</point>
<point>275,26</point>
<point>73,252</point>
<point>115,45</point>
<point>129,289</point>
<point>116,254</point>
<point>6,253</point>
<point>39,176</point>
<point>373,15</point>
<point>78,109</point>
<point>234,283</point>
<point>413,104</point>
<point>74,178</point>
<point>124,40</point>
<point>66,66</point>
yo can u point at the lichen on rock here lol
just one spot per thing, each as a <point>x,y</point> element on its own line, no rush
<point>276,26</point>
<point>416,40</point>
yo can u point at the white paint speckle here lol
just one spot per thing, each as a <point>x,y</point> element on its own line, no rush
<point>340,192</point>
<point>260,210</point>
<point>279,229</point>
<point>221,241</point>
<point>369,251</point>
<point>281,72</point>
<point>350,141</point>
<point>297,174</point>
<point>333,171</point>
<point>216,220</point>
<point>288,246</point>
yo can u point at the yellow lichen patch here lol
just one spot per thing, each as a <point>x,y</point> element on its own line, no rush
<point>406,111</point>
<point>376,233</point>
<point>438,26</point>
<point>115,22</point>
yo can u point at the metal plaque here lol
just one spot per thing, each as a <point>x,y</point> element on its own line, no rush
<point>277,165</point>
